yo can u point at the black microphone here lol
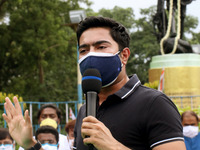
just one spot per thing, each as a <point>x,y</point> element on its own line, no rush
<point>91,86</point>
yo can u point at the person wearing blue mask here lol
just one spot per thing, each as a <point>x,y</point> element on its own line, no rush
<point>190,122</point>
<point>129,115</point>
<point>48,136</point>
<point>6,141</point>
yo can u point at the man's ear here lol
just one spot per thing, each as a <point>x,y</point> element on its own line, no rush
<point>124,55</point>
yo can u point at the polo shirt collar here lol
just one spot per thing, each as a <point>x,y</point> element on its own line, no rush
<point>129,87</point>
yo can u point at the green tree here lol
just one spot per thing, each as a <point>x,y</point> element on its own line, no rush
<point>123,15</point>
<point>190,24</point>
<point>195,38</point>
<point>38,53</point>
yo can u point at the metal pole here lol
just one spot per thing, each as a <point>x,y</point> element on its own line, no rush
<point>79,81</point>
<point>5,124</point>
<point>31,112</point>
<point>66,110</point>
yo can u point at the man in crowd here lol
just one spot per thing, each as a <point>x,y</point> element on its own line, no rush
<point>6,141</point>
<point>190,122</point>
<point>48,137</point>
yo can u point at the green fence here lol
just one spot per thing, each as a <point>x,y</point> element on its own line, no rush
<point>33,108</point>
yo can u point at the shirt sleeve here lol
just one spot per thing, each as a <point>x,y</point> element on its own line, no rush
<point>163,122</point>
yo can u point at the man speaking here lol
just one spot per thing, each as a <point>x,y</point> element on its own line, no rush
<point>128,115</point>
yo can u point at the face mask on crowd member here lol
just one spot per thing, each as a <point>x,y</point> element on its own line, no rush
<point>190,124</point>
<point>190,131</point>
<point>48,146</point>
<point>6,147</point>
<point>6,141</point>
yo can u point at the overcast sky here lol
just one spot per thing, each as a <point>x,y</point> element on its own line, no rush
<point>192,9</point>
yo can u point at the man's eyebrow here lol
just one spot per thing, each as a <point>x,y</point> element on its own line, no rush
<point>94,44</point>
<point>83,46</point>
<point>100,42</point>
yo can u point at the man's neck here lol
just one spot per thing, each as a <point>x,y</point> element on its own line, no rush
<point>105,92</point>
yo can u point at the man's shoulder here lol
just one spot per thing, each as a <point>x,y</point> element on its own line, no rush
<point>150,93</point>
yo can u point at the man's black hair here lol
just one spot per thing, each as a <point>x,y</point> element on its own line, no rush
<point>117,31</point>
<point>4,133</point>
<point>58,112</point>
<point>47,129</point>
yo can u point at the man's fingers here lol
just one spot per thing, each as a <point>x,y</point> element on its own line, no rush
<point>9,116</point>
<point>27,117</point>
<point>17,105</point>
<point>90,119</point>
<point>10,106</point>
<point>89,124</point>
<point>6,118</point>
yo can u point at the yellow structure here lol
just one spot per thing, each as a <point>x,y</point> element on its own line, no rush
<point>182,74</point>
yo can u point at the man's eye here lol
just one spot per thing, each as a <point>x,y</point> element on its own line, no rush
<point>7,142</point>
<point>44,116</point>
<point>82,51</point>
<point>52,116</point>
<point>51,142</point>
<point>101,47</point>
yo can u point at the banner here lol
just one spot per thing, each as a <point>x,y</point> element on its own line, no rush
<point>71,114</point>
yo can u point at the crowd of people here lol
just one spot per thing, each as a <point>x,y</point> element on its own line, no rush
<point>129,115</point>
<point>49,137</point>
<point>49,118</point>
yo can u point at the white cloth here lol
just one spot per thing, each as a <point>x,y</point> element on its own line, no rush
<point>63,143</point>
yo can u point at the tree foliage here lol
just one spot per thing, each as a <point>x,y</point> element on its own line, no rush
<point>123,15</point>
<point>38,53</point>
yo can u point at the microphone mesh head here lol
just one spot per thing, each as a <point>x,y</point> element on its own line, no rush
<point>91,81</point>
